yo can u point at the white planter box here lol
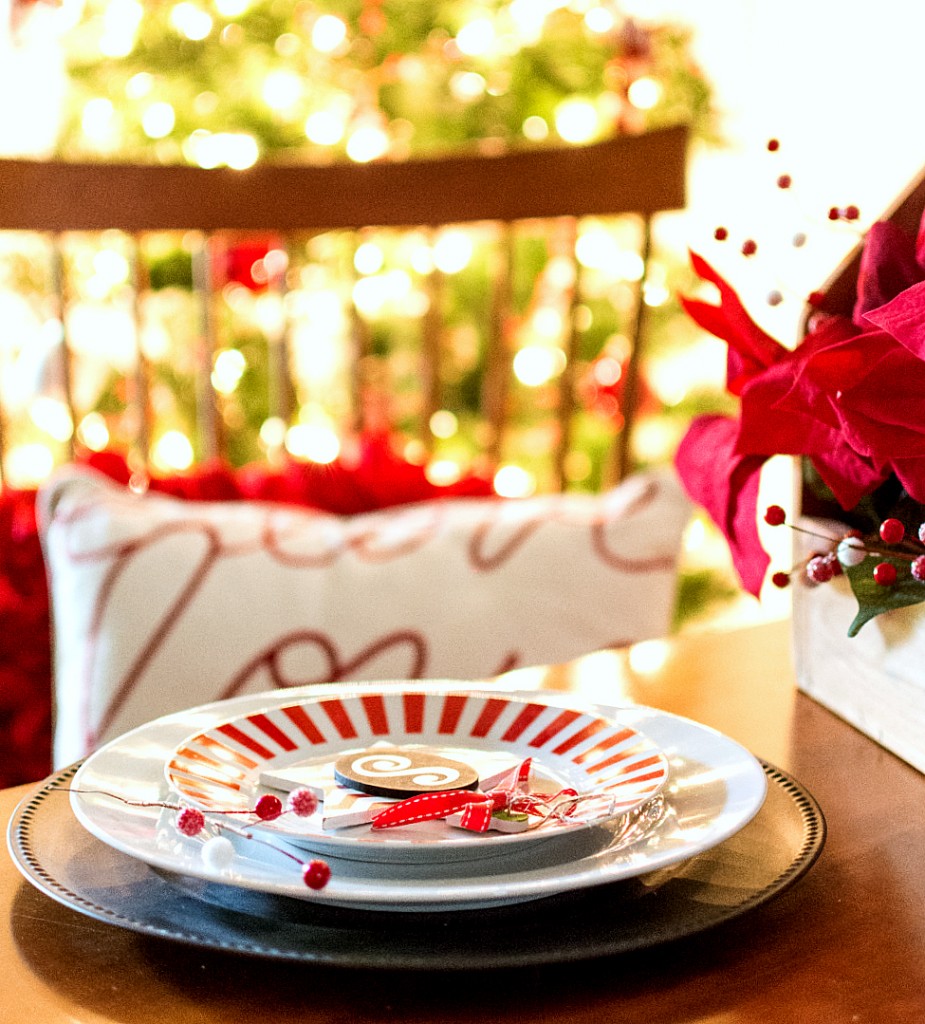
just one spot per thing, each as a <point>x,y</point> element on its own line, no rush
<point>875,680</point>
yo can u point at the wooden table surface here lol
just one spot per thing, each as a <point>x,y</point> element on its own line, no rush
<point>844,945</point>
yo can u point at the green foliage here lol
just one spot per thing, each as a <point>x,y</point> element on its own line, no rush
<point>173,269</point>
<point>874,599</point>
<point>698,592</point>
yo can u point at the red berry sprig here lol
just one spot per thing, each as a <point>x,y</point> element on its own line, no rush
<point>851,550</point>
<point>784,182</point>
<point>217,850</point>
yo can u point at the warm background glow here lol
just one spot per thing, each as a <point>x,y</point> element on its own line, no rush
<point>838,82</point>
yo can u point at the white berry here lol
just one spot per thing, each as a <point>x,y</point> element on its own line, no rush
<point>851,551</point>
<point>218,853</point>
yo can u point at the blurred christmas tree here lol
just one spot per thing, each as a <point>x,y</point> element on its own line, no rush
<point>231,82</point>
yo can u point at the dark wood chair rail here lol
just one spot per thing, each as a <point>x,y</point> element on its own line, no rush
<point>640,174</point>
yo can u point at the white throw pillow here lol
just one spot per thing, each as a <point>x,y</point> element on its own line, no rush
<point>160,604</point>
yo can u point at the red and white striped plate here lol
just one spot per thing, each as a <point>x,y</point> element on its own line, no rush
<point>220,769</point>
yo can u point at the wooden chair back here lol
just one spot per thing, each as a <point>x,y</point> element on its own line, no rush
<point>628,175</point>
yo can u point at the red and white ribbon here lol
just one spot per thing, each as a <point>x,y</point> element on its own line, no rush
<point>512,794</point>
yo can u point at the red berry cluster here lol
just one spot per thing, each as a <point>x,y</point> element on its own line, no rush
<point>844,212</point>
<point>749,247</point>
<point>191,821</point>
<point>851,550</point>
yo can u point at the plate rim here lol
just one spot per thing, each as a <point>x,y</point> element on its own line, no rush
<point>423,897</point>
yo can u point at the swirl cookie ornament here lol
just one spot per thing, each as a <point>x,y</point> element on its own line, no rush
<point>402,772</point>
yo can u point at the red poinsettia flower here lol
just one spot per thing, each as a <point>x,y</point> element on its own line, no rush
<point>850,397</point>
<point>873,386</point>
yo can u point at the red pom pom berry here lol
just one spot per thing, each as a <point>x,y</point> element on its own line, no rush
<point>851,212</point>
<point>918,569</point>
<point>816,299</point>
<point>302,802</point>
<point>892,531</point>
<point>781,580</point>
<point>773,145</point>
<point>885,574</point>
<point>749,247</point>
<point>721,234</point>
<point>775,516</point>
<point>268,807</point>
<point>784,181</point>
<point>191,821</point>
<point>316,874</point>
<point>820,569</point>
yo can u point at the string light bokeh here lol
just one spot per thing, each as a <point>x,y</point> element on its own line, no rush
<point>231,82</point>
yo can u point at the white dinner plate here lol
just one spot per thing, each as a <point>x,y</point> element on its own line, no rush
<point>715,787</point>
<point>614,768</point>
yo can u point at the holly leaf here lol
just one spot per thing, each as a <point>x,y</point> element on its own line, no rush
<point>874,600</point>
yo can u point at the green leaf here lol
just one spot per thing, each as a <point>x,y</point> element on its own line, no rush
<point>873,599</point>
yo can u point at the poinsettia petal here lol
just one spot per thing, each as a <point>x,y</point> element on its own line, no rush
<point>813,429</point>
<point>847,473</point>
<point>878,394</point>
<point>739,369</point>
<point>828,330</point>
<point>725,483</point>
<point>766,349</point>
<point>888,267</point>
<point>911,474</point>
<point>904,319</point>
<point>751,348</point>
<point>837,367</point>
<point>806,396</point>
<point>882,438</point>
<point>772,426</point>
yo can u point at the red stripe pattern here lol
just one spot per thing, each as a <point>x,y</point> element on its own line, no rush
<point>220,767</point>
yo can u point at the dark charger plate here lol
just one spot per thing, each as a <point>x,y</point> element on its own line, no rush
<point>768,855</point>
